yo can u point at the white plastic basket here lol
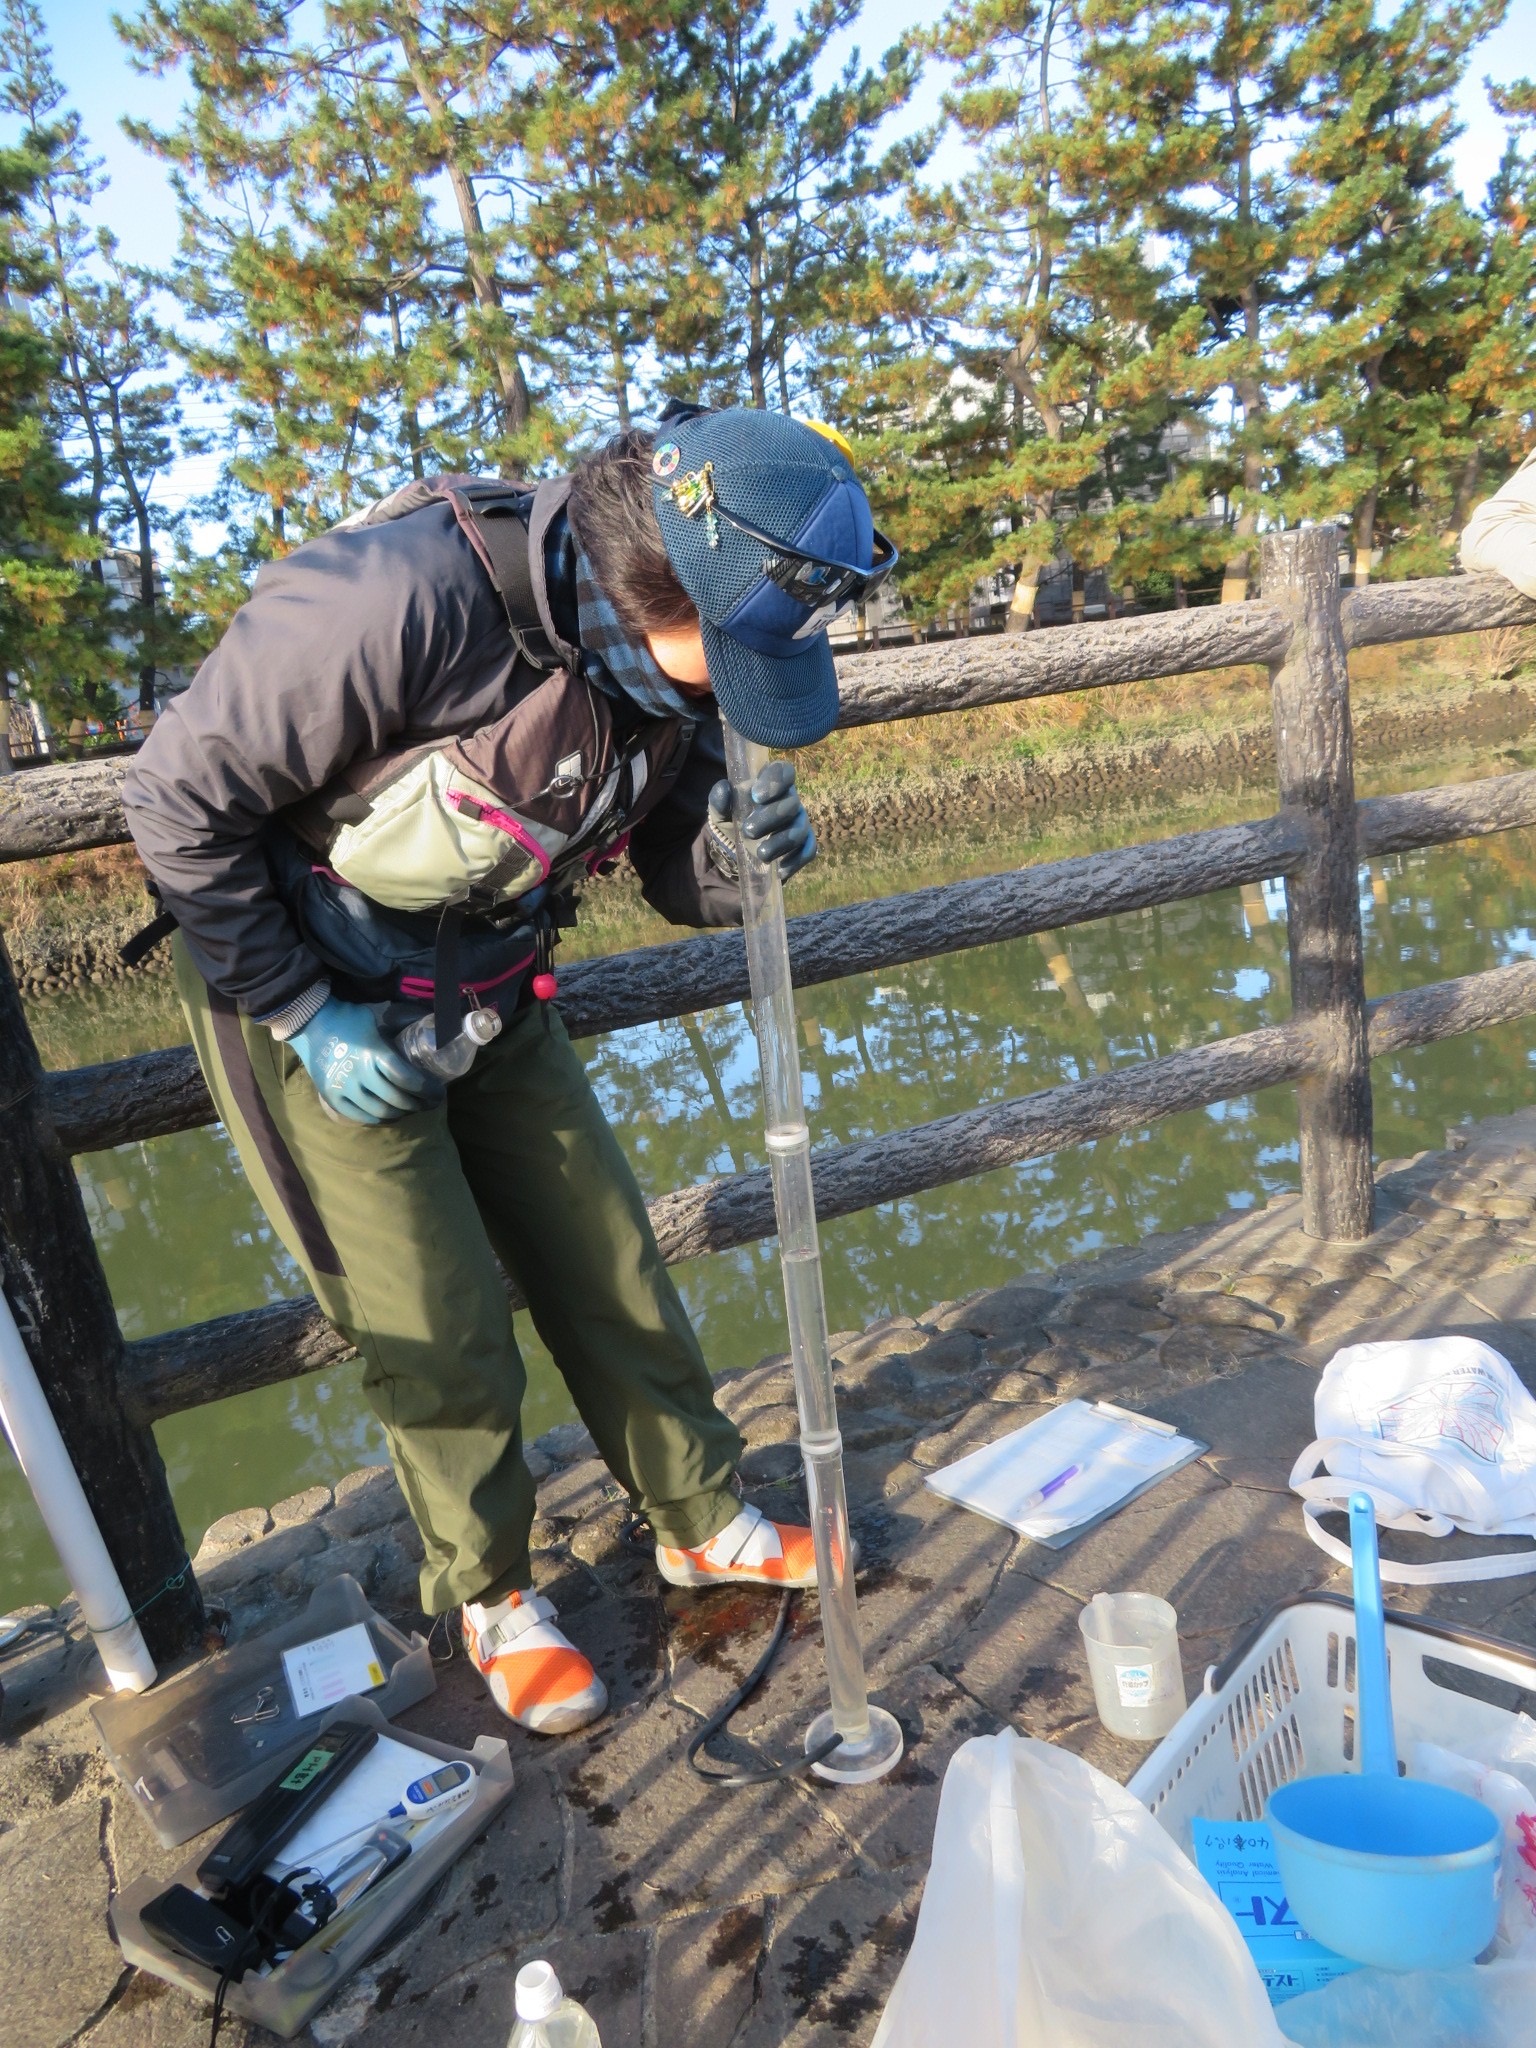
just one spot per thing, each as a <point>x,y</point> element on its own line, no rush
<point>1282,1706</point>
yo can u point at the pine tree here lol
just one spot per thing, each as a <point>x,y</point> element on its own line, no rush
<point>1391,297</point>
<point>786,178</point>
<point>114,410</point>
<point>52,632</point>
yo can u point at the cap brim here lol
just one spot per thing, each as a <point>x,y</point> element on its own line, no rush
<point>776,702</point>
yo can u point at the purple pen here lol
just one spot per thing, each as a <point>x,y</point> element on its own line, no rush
<point>1038,1499</point>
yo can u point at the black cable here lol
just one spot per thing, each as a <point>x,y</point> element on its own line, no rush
<point>249,1950</point>
<point>769,1774</point>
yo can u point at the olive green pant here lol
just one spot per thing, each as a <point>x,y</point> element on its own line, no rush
<point>400,1227</point>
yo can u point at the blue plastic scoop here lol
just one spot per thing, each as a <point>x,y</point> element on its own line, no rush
<point>1383,1869</point>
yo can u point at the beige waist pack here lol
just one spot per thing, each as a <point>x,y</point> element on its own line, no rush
<point>490,814</point>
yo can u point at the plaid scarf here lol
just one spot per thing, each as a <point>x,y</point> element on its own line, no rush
<point>615,662</point>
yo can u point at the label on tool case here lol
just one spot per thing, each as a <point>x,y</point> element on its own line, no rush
<point>1237,1861</point>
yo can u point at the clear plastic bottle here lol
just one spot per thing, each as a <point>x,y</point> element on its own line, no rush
<point>546,2018</point>
<point>418,1042</point>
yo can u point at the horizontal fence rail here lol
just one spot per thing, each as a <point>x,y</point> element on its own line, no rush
<point>69,809</point>
<point>152,1094</point>
<point>236,1353</point>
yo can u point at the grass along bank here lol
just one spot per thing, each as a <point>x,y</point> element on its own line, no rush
<point>968,793</point>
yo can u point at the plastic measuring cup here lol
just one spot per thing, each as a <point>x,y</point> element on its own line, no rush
<point>1132,1640</point>
<point>1385,1870</point>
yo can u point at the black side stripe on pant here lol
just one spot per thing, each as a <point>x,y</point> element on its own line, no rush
<point>292,1189</point>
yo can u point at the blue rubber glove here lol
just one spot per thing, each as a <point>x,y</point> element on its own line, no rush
<point>360,1076</point>
<point>776,824</point>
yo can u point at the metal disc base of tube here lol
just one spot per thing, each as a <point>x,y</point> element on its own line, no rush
<point>857,1763</point>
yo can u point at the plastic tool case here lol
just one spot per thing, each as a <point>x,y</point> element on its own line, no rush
<point>287,1995</point>
<point>195,1749</point>
<point>1282,1706</point>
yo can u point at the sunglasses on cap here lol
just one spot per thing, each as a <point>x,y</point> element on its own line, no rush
<point>823,586</point>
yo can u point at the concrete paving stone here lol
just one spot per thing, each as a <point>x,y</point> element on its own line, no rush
<point>704,1975</point>
<point>476,2008</point>
<point>271,1559</point>
<point>302,1507</point>
<point>232,1532</point>
<point>894,1382</point>
<point>833,1955</point>
<point>1224,1555</point>
<point>43,1772</point>
<point>771,1465</point>
<point>891,1821</point>
<point>1257,1421</point>
<point>950,1357</point>
<point>1196,1352</point>
<point>149,2013</point>
<point>574,1491</point>
<point>1337,1307</point>
<point>1066,1371</point>
<point>363,1479</point>
<point>1004,1311</point>
<point>880,1340</point>
<point>312,1567</point>
<point>61,1964</point>
<point>367,1508</point>
<point>568,1443</point>
<point>776,1425</point>
<point>1022,1656</point>
<point>1221,1310</point>
<point>1110,1311</point>
<point>651,1838</point>
<point>980,1425</point>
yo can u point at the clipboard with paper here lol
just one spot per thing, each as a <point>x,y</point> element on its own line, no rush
<point>1112,1455</point>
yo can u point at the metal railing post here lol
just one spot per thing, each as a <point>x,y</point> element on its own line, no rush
<point>1314,750</point>
<point>59,1296</point>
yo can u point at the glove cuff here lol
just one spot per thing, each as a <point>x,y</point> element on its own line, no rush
<point>304,1009</point>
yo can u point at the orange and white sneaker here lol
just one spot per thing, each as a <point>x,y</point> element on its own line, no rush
<point>537,1677</point>
<point>749,1551</point>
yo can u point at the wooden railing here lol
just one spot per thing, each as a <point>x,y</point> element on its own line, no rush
<point>1301,629</point>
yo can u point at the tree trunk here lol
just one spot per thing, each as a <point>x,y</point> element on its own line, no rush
<point>1365,538</point>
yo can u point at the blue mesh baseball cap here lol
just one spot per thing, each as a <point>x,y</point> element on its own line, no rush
<point>731,489</point>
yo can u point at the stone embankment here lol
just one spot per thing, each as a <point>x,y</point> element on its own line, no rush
<point>1096,779</point>
<point>777,1917</point>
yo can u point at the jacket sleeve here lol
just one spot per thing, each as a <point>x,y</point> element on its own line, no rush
<point>318,669</point>
<point>670,850</point>
<point>1500,537</point>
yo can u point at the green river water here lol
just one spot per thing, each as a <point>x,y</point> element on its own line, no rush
<point>182,1238</point>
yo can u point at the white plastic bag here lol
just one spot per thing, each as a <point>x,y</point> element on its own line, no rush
<point>1058,1914</point>
<point>1441,1434</point>
<point>1485,2005</point>
<point>1508,1798</point>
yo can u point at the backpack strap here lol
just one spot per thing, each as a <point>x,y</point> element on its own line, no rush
<point>497,528</point>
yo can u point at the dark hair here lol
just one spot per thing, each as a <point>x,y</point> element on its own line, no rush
<point>614,519</point>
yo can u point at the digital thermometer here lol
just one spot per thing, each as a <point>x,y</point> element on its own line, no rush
<point>448,1785</point>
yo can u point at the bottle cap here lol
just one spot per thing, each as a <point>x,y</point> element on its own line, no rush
<point>538,1991</point>
<point>482,1025</point>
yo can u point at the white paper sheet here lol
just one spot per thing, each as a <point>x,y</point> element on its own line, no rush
<point>1116,1457</point>
<point>331,1668</point>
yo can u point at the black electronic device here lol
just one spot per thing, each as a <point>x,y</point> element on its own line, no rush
<point>195,1927</point>
<point>257,1837</point>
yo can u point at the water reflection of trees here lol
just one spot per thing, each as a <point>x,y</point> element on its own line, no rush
<point>182,1238</point>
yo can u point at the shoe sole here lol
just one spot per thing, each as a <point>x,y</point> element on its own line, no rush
<point>691,1575</point>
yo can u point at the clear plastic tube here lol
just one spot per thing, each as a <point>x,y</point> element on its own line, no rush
<point>871,1740</point>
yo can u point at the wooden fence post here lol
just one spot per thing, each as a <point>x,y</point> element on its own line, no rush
<point>1315,749</point>
<point>63,1308</point>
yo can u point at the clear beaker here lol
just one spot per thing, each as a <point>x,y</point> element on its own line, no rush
<point>1132,1640</point>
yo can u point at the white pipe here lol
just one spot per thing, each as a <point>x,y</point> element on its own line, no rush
<point>34,1436</point>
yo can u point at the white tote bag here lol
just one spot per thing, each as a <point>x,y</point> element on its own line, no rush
<point>1058,1914</point>
<point>1441,1434</point>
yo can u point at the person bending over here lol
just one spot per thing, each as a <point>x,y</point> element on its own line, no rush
<point>374,803</point>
